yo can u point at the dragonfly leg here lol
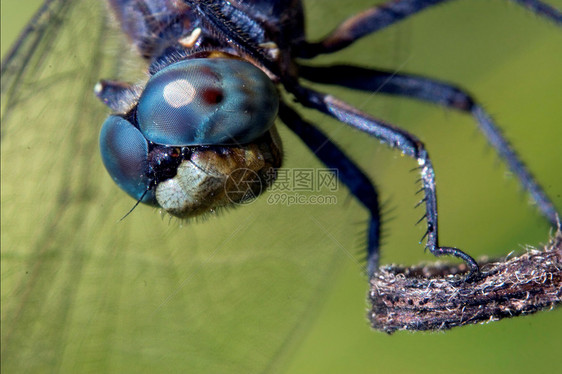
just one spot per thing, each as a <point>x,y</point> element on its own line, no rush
<point>440,93</point>
<point>348,173</point>
<point>396,138</point>
<point>381,16</point>
<point>542,9</point>
<point>364,23</point>
<point>117,95</point>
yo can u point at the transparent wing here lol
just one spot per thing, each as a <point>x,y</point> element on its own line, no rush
<point>84,292</point>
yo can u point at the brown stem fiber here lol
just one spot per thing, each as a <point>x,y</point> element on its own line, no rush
<point>435,296</point>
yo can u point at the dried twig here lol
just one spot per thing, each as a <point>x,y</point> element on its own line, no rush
<point>434,297</point>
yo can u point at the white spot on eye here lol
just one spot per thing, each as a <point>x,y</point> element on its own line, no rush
<point>179,93</point>
<point>98,88</point>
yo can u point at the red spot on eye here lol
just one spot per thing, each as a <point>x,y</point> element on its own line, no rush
<point>208,73</point>
<point>212,96</point>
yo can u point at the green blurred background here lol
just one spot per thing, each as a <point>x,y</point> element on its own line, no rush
<point>274,288</point>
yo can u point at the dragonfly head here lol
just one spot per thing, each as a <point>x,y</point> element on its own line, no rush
<point>199,136</point>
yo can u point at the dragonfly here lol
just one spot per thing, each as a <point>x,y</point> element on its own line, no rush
<point>76,187</point>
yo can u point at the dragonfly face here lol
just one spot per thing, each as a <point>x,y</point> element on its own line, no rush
<point>196,124</point>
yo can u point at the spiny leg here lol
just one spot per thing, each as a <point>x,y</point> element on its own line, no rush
<point>349,173</point>
<point>396,138</point>
<point>439,93</point>
<point>380,16</point>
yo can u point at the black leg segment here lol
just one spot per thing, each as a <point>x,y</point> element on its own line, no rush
<point>365,23</point>
<point>349,173</point>
<point>542,9</point>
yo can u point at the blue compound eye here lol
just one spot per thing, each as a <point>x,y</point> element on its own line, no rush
<point>207,101</point>
<point>124,152</point>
